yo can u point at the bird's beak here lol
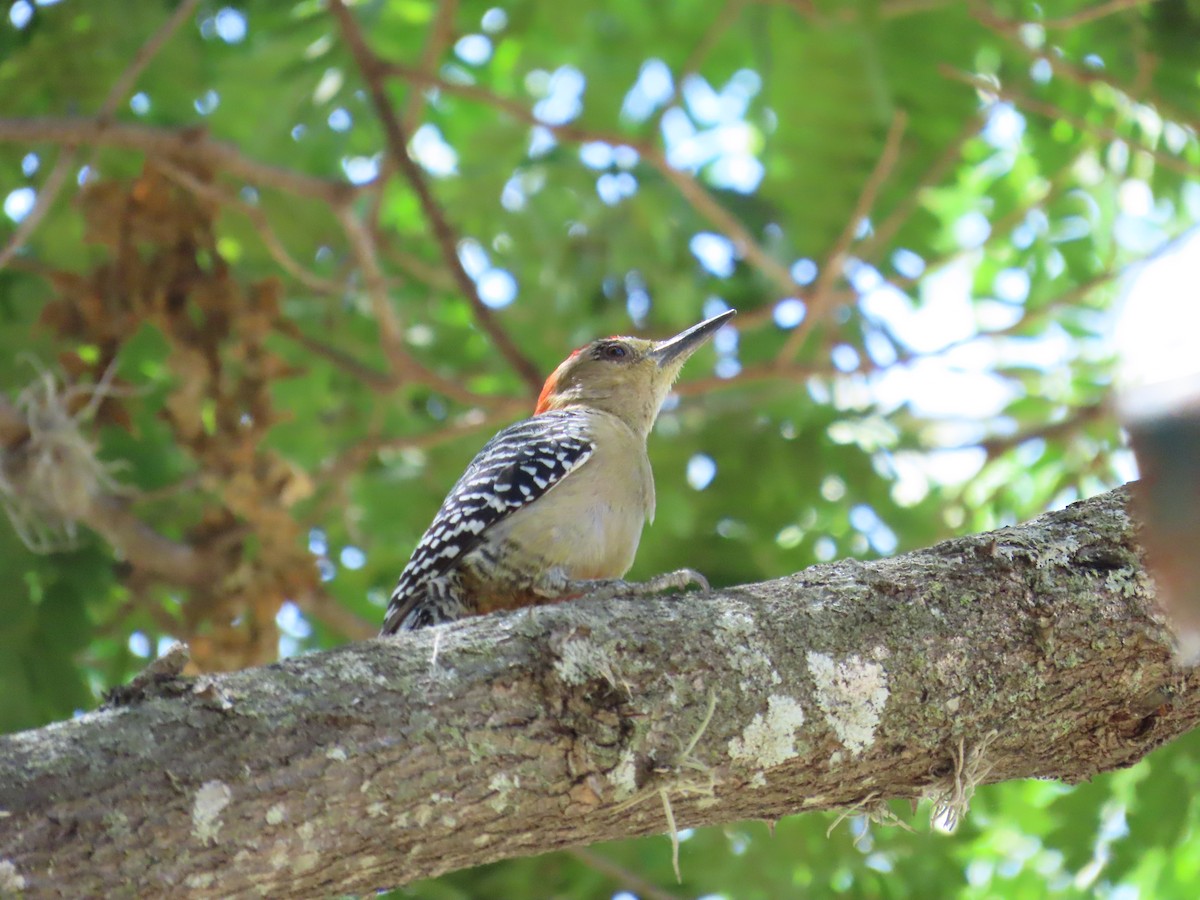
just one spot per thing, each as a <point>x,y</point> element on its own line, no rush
<point>672,352</point>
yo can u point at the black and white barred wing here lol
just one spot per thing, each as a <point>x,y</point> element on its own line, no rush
<point>513,469</point>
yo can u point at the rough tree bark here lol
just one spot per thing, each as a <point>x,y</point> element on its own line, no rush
<point>1032,651</point>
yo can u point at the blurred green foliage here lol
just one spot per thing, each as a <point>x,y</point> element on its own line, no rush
<point>953,378</point>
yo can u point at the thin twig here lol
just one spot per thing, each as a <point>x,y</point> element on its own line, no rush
<point>820,301</point>
<point>767,371</point>
<point>380,382</point>
<point>725,222</point>
<point>517,110</point>
<point>1051,431</point>
<point>896,9</point>
<point>885,231</point>
<point>258,219</point>
<point>397,145</point>
<point>66,160</point>
<point>1146,63</point>
<point>721,23</point>
<point>127,79</point>
<point>362,246</point>
<point>1066,300</point>
<point>441,33</point>
<point>188,143</point>
<point>850,13</point>
<point>403,364</point>
<point>1135,90</point>
<point>693,192</point>
<point>411,265</point>
<point>1059,184</point>
<point>630,881</point>
<point>45,199</point>
<point>1051,111</point>
<point>407,367</point>
<point>1091,14</point>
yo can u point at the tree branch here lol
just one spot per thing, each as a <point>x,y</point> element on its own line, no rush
<point>403,365</point>
<point>66,159</point>
<point>441,35</point>
<point>718,28</point>
<point>189,143</point>
<point>222,196</point>
<point>885,230</point>
<point>728,224</point>
<point>391,760</point>
<point>630,881</point>
<point>1091,14</point>
<point>822,297</point>
<point>373,72</point>
<point>45,200</point>
<point>1051,111</point>
<point>1061,430</point>
<point>105,513</point>
<point>692,191</point>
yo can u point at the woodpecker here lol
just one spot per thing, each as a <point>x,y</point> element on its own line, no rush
<point>553,506</point>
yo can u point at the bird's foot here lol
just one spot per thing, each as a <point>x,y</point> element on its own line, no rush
<point>609,588</point>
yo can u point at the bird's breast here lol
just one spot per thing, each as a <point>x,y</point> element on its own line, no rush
<point>590,523</point>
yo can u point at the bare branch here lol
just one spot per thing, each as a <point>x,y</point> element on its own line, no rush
<point>145,54</point>
<point>391,336</point>
<point>411,265</point>
<point>1092,14</point>
<point>630,881</point>
<point>1136,89</point>
<point>143,547</point>
<point>767,371</point>
<point>1066,300</point>
<point>319,605</point>
<point>362,245</point>
<point>885,230</point>
<point>822,294</point>
<point>725,222</point>
<point>1053,431</point>
<point>351,365</point>
<point>888,9</point>
<point>517,110</point>
<point>186,143</point>
<point>1060,182</point>
<point>1052,111</point>
<point>692,191</point>
<point>45,200</point>
<point>397,143</point>
<point>717,28</point>
<point>221,196</point>
<point>338,469</point>
<point>441,34</point>
<point>66,159</point>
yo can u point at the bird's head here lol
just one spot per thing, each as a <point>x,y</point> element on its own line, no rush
<point>626,376</point>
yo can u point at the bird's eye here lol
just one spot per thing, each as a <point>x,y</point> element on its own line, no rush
<point>614,351</point>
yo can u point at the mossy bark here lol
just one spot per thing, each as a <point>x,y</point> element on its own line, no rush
<point>1032,651</point>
